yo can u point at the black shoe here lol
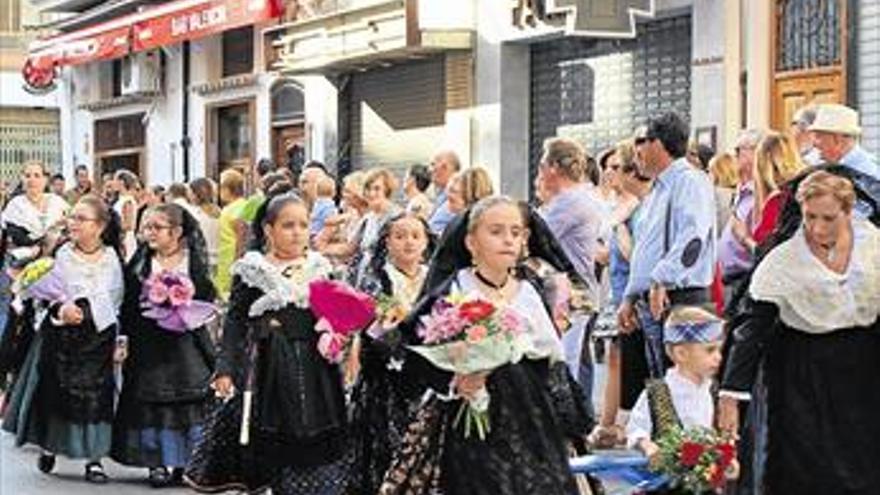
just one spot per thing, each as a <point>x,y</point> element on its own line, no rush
<point>159,477</point>
<point>46,463</point>
<point>95,473</point>
<point>177,476</point>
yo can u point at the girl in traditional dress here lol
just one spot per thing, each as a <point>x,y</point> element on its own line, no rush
<point>524,452</point>
<point>812,322</point>
<point>63,401</point>
<point>32,224</point>
<point>167,374</point>
<point>396,273</point>
<point>295,439</point>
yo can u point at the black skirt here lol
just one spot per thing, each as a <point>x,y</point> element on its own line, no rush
<point>523,454</point>
<point>823,405</point>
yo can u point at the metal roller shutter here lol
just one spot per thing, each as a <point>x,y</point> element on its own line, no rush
<point>597,91</point>
<point>397,114</point>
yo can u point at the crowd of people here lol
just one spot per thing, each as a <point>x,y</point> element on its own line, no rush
<point>756,270</point>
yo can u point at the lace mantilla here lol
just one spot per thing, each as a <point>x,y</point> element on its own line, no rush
<point>814,299</point>
<point>280,286</point>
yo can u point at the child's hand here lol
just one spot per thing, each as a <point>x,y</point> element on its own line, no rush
<point>732,471</point>
<point>650,449</point>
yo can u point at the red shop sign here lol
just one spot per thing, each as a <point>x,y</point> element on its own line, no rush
<point>190,19</point>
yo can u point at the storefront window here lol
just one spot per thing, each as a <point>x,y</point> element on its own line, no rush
<point>238,51</point>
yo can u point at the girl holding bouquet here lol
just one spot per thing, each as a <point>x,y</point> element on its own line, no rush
<point>395,276</point>
<point>523,452</point>
<point>168,371</point>
<point>63,400</point>
<point>285,423</point>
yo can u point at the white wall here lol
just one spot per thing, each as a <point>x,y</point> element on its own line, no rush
<point>868,73</point>
<point>707,68</point>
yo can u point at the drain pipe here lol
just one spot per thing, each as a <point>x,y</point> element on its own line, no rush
<point>185,140</point>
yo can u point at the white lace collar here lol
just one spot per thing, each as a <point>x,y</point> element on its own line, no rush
<point>813,298</point>
<point>279,288</point>
<point>403,287</point>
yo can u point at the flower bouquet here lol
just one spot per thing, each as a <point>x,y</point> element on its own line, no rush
<point>696,460</point>
<point>168,298</point>
<point>342,312</point>
<point>40,280</point>
<point>390,311</point>
<point>467,334</point>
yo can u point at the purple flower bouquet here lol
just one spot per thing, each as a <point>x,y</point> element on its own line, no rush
<point>168,298</point>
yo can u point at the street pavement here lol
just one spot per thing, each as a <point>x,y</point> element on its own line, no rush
<point>19,476</point>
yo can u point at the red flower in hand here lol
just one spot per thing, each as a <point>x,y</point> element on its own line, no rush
<point>726,454</point>
<point>690,453</point>
<point>717,476</point>
<point>474,311</point>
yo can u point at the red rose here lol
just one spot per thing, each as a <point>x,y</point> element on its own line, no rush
<point>726,453</point>
<point>690,453</point>
<point>474,311</point>
<point>718,477</point>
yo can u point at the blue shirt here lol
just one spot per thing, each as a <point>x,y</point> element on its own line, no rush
<point>618,265</point>
<point>860,160</point>
<point>441,216</point>
<point>690,260</point>
<point>323,209</point>
<point>575,218</point>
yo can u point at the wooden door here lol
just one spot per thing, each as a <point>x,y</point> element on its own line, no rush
<point>809,56</point>
<point>794,92</point>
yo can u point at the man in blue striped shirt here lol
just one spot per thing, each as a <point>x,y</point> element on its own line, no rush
<point>673,256</point>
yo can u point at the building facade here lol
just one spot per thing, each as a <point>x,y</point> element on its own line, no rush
<point>29,121</point>
<point>361,83</point>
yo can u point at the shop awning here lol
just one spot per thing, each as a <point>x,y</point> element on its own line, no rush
<point>165,24</point>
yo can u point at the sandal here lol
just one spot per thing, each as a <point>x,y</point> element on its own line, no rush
<point>95,473</point>
<point>46,462</point>
<point>159,477</point>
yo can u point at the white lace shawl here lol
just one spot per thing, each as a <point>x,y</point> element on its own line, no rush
<point>100,282</point>
<point>278,290</point>
<point>815,299</point>
<point>21,212</point>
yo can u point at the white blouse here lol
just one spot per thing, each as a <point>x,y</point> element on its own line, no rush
<point>692,402</point>
<point>529,305</point>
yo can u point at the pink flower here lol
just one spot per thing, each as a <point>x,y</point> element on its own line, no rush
<point>158,293</point>
<point>179,295</point>
<point>476,333</point>
<point>511,322</point>
<point>331,345</point>
<point>442,325</point>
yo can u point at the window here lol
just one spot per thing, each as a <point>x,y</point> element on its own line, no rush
<point>238,51</point>
<point>10,16</point>
<point>808,34</point>
<point>287,102</point>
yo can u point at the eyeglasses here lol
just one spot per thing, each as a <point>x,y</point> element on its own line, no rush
<point>147,227</point>
<point>80,219</point>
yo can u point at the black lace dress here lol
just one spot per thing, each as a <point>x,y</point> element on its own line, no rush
<point>63,400</point>
<point>381,410</point>
<point>166,378</point>
<point>523,454</point>
<point>297,435</point>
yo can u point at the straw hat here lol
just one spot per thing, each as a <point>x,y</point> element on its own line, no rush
<point>839,119</point>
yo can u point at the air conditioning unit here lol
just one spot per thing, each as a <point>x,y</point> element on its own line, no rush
<point>142,73</point>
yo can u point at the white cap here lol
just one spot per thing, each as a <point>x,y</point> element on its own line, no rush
<point>839,119</point>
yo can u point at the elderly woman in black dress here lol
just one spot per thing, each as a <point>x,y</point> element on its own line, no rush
<point>812,324</point>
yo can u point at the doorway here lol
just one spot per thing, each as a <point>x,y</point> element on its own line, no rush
<point>231,136</point>
<point>809,56</point>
